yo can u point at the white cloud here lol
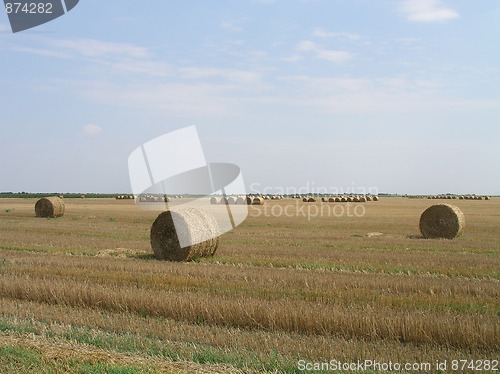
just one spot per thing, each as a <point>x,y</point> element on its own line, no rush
<point>427,11</point>
<point>143,67</point>
<point>322,33</point>
<point>392,94</point>
<point>42,52</point>
<point>306,46</point>
<point>94,48</point>
<point>231,26</point>
<point>90,48</point>
<point>91,129</point>
<point>193,98</point>
<point>338,57</point>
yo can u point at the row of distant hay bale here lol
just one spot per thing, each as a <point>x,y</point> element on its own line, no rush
<point>299,196</point>
<point>341,199</point>
<point>461,197</point>
<point>153,199</point>
<point>237,200</point>
<point>125,197</point>
<point>272,197</point>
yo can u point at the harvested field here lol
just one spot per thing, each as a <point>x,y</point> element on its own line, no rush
<point>310,284</point>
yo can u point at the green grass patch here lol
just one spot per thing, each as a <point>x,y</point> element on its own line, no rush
<point>14,359</point>
<point>150,346</point>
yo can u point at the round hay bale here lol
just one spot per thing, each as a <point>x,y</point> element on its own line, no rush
<point>487,198</point>
<point>349,199</point>
<point>355,199</point>
<point>258,200</point>
<point>375,198</point>
<point>194,224</point>
<point>368,198</point>
<point>305,199</point>
<point>214,200</point>
<point>331,200</point>
<point>49,207</point>
<point>362,199</point>
<point>311,200</point>
<point>324,199</point>
<point>241,200</point>
<point>442,221</point>
<point>460,197</point>
<point>231,200</point>
<point>249,200</point>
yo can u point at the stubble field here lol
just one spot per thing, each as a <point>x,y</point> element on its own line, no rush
<point>84,293</point>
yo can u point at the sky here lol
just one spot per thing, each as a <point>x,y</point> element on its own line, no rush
<point>395,96</point>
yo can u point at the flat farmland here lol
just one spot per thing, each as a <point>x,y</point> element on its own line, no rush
<point>296,281</point>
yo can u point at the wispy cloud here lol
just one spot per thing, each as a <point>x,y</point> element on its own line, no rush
<point>427,11</point>
<point>369,95</point>
<point>91,129</point>
<point>175,98</point>
<point>322,33</point>
<point>87,48</point>
<point>142,67</point>
<point>232,26</point>
<point>98,48</point>
<point>336,56</point>
<point>47,52</point>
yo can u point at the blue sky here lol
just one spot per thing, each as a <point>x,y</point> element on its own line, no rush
<point>401,95</point>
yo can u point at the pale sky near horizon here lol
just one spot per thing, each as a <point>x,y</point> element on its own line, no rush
<point>398,95</point>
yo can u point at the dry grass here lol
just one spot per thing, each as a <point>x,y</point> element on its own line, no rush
<point>301,287</point>
<point>62,353</point>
